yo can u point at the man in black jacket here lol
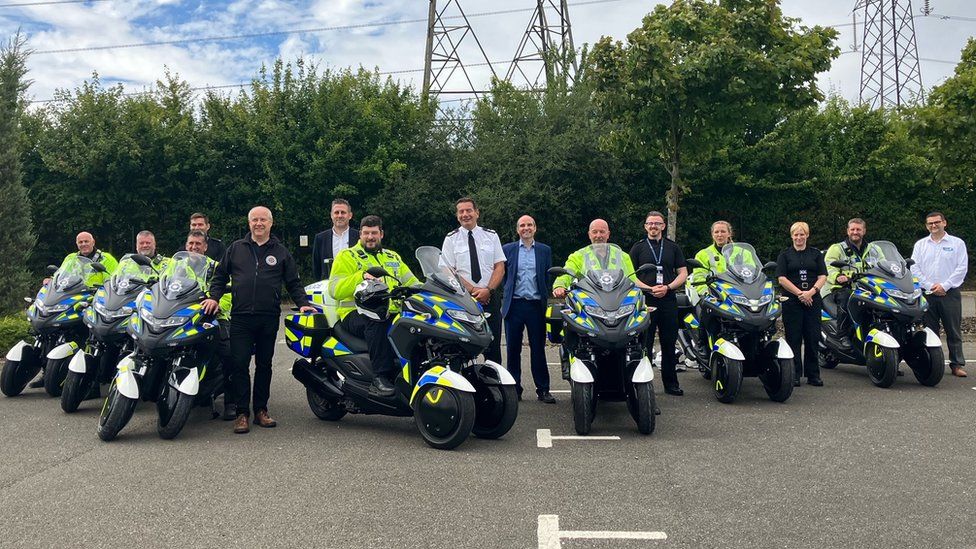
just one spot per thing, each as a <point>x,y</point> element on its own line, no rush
<point>215,248</point>
<point>258,264</point>
<point>330,242</point>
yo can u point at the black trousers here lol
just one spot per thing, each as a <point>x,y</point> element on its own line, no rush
<point>381,354</point>
<point>256,333</point>
<point>947,310</point>
<point>494,308</point>
<point>664,321</point>
<point>527,315</point>
<point>802,325</point>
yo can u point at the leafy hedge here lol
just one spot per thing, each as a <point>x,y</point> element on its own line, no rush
<point>12,329</point>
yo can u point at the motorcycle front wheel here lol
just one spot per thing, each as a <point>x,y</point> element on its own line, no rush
<point>928,365</point>
<point>727,378</point>
<point>778,379</point>
<point>584,407</point>
<point>76,389</point>
<point>17,374</point>
<point>116,413</point>
<point>444,416</point>
<point>496,407</point>
<point>642,409</point>
<point>882,365</point>
<point>173,409</point>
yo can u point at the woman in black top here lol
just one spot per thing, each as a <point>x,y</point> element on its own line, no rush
<point>801,272</point>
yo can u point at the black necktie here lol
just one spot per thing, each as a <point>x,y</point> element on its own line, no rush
<point>475,265</point>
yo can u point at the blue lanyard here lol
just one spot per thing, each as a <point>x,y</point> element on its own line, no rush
<point>660,253</point>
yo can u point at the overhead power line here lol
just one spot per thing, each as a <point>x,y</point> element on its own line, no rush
<point>374,24</point>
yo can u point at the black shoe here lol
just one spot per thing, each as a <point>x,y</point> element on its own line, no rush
<point>230,412</point>
<point>546,396</point>
<point>676,391</point>
<point>565,366</point>
<point>815,381</point>
<point>381,387</point>
<point>37,383</point>
<point>657,409</point>
<point>845,342</point>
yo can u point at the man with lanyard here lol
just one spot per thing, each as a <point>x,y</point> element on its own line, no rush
<point>196,242</point>
<point>850,251</point>
<point>348,272</point>
<point>671,274</point>
<point>258,264</point>
<point>940,265</point>
<point>477,256</point>
<point>328,243</point>
<point>146,245</point>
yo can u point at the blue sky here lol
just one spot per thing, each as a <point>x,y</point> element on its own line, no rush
<point>390,48</point>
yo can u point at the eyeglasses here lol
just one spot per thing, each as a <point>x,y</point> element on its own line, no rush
<point>653,224</point>
<point>933,223</point>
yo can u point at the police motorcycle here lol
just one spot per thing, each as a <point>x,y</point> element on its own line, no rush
<point>885,326</point>
<point>55,316</point>
<point>175,362</point>
<point>107,320</point>
<point>437,336</point>
<point>603,320</point>
<point>729,331</point>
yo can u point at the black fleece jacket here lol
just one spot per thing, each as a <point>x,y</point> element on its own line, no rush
<point>258,272</point>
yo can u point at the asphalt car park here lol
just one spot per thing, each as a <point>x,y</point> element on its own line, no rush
<point>842,465</point>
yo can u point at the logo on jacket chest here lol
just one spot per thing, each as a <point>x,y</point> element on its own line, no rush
<point>271,260</point>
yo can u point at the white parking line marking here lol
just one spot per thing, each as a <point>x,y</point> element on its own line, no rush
<point>544,438</point>
<point>550,535</point>
<point>567,391</point>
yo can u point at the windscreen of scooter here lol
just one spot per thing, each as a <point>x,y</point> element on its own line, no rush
<point>882,258</point>
<point>186,272</point>
<point>129,275</point>
<point>742,262</point>
<point>436,270</point>
<point>605,279</point>
<point>75,271</point>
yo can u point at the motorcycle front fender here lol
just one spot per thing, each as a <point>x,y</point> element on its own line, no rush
<point>644,373</point>
<point>125,379</point>
<point>883,339</point>
<point>444,377</point>
<point>728,350</point>
<point>783,349</point>
<point>78,364</point>
<point>931,338</point>
<point>16,353</point>
<point>63,351</point>
<point>579,372</point>
<point>189,385</point>
<point>497,375</point>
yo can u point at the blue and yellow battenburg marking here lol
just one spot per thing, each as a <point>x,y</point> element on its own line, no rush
<point>298,328</point>
<point>691,321</point>
<point>193,326</point>
<point>439,305</point>
<point>434,375</point>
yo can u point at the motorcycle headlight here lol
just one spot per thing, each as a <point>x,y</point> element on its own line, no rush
<point>110,314</point>
<point>162,322</point>
<point>752,303</point>
<point>59,308</point>
<point>464,316</point>
<point>599,312</point>
<point>898,294</point>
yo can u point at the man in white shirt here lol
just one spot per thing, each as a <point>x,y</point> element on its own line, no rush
<point>940,266</point>
<point>330,242</point>
<point>476,254</point>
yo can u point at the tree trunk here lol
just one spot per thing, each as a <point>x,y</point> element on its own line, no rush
<point>673,197</point>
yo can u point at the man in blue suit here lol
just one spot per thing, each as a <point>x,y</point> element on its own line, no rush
<point>524,305</point>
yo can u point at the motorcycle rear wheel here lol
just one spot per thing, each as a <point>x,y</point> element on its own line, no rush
<point>324,408</point>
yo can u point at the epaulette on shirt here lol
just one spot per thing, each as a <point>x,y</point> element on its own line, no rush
<point>488,230</point>
<point>454,232</point>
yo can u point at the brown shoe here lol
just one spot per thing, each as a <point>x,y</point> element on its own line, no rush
<point>958,371</point>
<point>261,419</point>
<point>240,424</point>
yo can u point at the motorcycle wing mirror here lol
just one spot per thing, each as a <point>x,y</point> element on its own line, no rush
<point>141,260</point>
<point>909,262</point>
<point>694,264</point>
<point>51,269</point>
<point>647,268</point>
<point>99,268</point>
<point>378,272</point>
<point>29,299</point>
<point>559,271</point>
<point>769,265</point>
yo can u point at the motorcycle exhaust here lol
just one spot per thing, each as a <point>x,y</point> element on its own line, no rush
<point>315,379</point>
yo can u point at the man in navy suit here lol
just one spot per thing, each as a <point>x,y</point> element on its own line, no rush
<point>329,243</point>
<point>524,305</point>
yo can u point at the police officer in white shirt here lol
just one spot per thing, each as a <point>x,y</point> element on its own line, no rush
<point>940,265</point>
<point>476,254</point>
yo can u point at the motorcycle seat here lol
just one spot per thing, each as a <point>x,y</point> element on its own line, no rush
<point>830,304</point>
<point>353,343</point>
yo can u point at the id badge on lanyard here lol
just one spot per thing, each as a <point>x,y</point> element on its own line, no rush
<point>659,278</point>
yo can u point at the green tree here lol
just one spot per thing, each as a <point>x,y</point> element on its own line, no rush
<point>698,71</point>
<point>949,122</point>
<point>17,237</point>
